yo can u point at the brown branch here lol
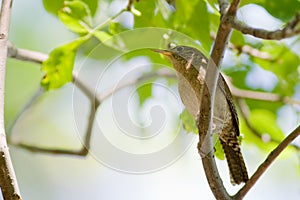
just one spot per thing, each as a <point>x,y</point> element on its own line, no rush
<point>130,3</point>
<point>8,180</point>
<point>233,7</point>
<point>269,160</point>
<point>205,146</point>
<point>251,52</point>
<point>206,152</point>
<point>262,96</point>
<point>291,29</point>
<point>224,5</point>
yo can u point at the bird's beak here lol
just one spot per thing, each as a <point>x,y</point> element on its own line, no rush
<point>163,52</point>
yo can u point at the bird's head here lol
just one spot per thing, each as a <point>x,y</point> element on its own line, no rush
<point>184,57</point>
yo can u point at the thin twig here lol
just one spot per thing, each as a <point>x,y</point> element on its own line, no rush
<point>83,151</point>
<point>130,3</point>
<point>251,52</point>
<point>291,29</point>
<point>8,179</point>
<point>159,73</point>
<point>38,93</point>
<point>269,160</point>
<point>224,5</point>
<point>37,57</point>
<point>262,96</point>
<point>26,55</point>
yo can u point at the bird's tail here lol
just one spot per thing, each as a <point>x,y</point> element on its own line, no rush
<point>235,161</point>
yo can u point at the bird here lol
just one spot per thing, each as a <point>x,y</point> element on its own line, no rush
<point>191,65</point>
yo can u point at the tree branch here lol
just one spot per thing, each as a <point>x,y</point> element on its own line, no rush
<point>251,52</point>
<point>8,180</point>
<point>40,91</point>
<point>205,146</point>
<point>26,55</point>
<point>291,29</point>
<point>233,7</point>
<point>262,96</point>
<point>159,73</point>
<point>263,167</point>
<point>37,57</point>
<point>224,5</point>
<point>83,151</point>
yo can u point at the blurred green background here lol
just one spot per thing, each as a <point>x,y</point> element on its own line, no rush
<point>56,119</point>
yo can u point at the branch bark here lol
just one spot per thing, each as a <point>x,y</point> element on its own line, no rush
<point>261,96</point>
<point>8,180</point>
<point>269,160</point>
<point>291,29</point>
<point>25,55</point>
<point>205,146</point>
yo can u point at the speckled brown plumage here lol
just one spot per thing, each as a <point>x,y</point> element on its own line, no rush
<point>191,65</point>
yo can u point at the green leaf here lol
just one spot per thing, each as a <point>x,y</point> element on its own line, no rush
<point>53,6</point>
<point>147,9</point>
<point>284,65</point>
<point>192,19</point>
<point>264,122</point>
<point>58,67</point>
<point>237,38</point>
<point>108,40</point>
<point>115,28</point>
<point>219,152</point>
<point>188,121</point>
<point>76,15</point>
<point>144,91</point>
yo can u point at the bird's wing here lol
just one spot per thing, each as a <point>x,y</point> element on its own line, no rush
<point>226,91</point>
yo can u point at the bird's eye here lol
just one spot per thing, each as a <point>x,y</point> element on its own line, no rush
<point>179,49</point>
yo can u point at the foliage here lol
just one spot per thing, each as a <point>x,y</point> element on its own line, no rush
<point>283,61</point>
